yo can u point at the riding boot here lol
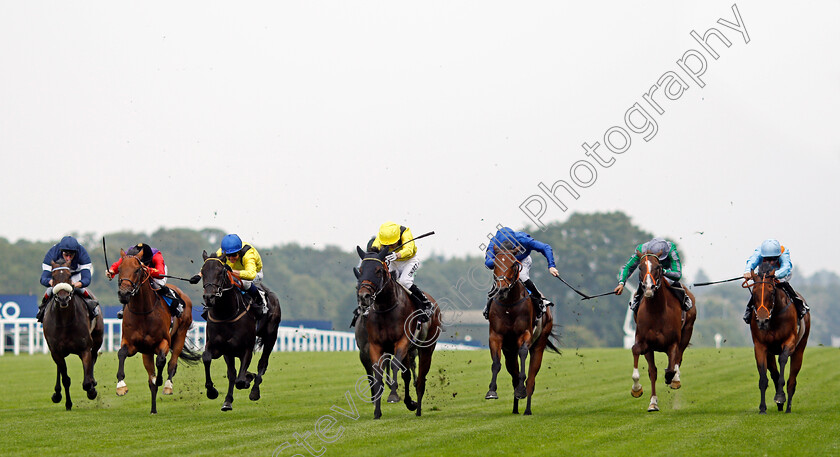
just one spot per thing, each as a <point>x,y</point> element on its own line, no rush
<point>90,302</point>
<point>120,312</point>
<point>490,296</point>
<point>682,296</point>
<point>425,304</point>
<point>801,307</point>
<point>260,308</point>
<point>749,311</point>
<point>537,298</point>
<point>356,313</point>
<point>176,308</point>
<point>636,299</point>
<point>43,306</point>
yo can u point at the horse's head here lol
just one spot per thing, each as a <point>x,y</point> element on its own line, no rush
<point>62,285</point>
<point>763,290</point>
<point>132,274</point>
<point>373,275</point>
<point>505,269</point>
<point>650,273</point>
<point>215,274</point>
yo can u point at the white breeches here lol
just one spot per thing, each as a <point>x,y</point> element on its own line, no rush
<point>525,271</point>
<point>247,284</point>
<point>405,269</point>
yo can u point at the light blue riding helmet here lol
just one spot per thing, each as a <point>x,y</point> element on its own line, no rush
<point>770,248</point>
<point>231,244</point>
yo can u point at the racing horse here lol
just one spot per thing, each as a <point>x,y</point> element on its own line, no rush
<point>69,330</point>
<point>776,331</point>
<point>515,330</point>
<point>391,330</point>
<point>661,327</point>
<point>149,328</point>
<point>231,330</point>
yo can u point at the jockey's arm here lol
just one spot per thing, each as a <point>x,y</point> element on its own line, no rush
<point>785,265</point>
<point>158,268</point>
<point>628,269</point>
<point>249,264</point>
<point>489,256</point>
<point>409,249</point>
<point>674,272</point>
<point>753,261</point>
<point>545,250</point>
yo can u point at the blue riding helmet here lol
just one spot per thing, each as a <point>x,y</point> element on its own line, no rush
<point>231,244</point>
<point>771,248</point>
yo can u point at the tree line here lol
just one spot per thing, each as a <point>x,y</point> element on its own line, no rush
<point>318,284</point>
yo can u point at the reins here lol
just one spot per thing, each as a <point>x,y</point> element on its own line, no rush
<point>220,290</point>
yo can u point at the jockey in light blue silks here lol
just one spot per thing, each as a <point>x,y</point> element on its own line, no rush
<point>524,243</point>
<point>772,251</point>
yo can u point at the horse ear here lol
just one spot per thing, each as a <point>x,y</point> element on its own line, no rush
<point>54,265</point>
<point>383,253</point>
<point>357,272</point>
<point>360,252</point>
<point>204,254</point>
<point>122,252</point>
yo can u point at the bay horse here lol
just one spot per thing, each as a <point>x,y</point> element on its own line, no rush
<point>69,330</point>
<point>231,329</point>
<point>149,328</point>
<point>776,331</point>
<point>660,327</point>
<point>390,329</point>
<point>515,330</point>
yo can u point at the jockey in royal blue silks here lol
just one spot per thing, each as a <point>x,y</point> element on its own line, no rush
<point>524,243</point>
<point>75,257</point>
<point>772,251</point>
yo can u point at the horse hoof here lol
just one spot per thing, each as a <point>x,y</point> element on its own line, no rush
<point>227,407</point>
<point>652,409</point>
<point>68,406</point>
<point>242,384</point>
<point>520,394</point>
<point>762,412</point>
<point>122,390</point>
<point>675,385</point>
<point>167,391</point>
<point>56,397</point>
<point>377,416</point>
<point>636,394</point>
<point>212,393</point>
<point>250,376</point>
<point>393,398</point>
<point>412,406</point>
<point>254,395</point>
<point>527,412</point>
<point>491,395</point>
<point>781,406</point>
<point>418,414</point>
<point>91,394</point>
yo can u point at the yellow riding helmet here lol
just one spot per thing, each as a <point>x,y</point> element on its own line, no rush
<point>389,233</point>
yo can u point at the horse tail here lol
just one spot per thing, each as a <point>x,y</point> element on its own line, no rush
<point>191,353</point>
<point>556,337</point>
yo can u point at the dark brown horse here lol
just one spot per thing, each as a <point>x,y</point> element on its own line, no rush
<point>776,331</point>
<point>660,327</point>
<point>514,329</point>
<point>149,328</point>
<point>391,330</point>
<point>231,330</point>
<point>69,330</point>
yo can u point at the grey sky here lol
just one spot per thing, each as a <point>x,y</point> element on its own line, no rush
<point>314,122</point>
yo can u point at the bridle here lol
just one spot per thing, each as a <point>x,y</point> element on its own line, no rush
<point>135,286</point>
<point>63,302</point>
<point>369,285</point>
<point>648,273</point>
<point>516,267</point>
<point>760,300</point>
<point>226,285</point>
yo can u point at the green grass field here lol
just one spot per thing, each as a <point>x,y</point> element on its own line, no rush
<point>582,407</point>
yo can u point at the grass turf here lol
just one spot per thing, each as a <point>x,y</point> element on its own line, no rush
<point>582,406</point>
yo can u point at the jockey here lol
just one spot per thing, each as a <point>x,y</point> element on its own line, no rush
<point>153,259</point>
<point>668,257</point>
<point>772,251</point>
<point>77,259</point>
<point>403,262</point>
<point>526,244</point>
<point>246,265</point>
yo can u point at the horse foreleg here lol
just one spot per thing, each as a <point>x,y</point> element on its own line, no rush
<point>654,401</point>
<point>124,352</point>
<point>230,361</point>
<point>391,380</point>
<point>520,392</point>
<point>774,374</point>
<point>149,364</point>
<point>496,357</point>
<point>670,372</point>
<point>780,383</point>
<point>178,340</point>
<point>61,366</point>
<point>512,366</point>
<point>243,380</point>
<point>761,364</point>
<point>376,386</point>
<point>207,359</point>
<point>795,365</point>
<point>533,369</point>
<point>636,390</point>
<point>56,397</point>
<point>88,383</point>
<point>423,370</point>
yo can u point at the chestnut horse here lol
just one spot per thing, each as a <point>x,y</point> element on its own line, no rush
<point>69,330</point>
<point>391,333</point>
<point>514,329</point>
<point>231,330</point>
<point>660,327</point>
<point>149,328</point>
<point>776,331</point>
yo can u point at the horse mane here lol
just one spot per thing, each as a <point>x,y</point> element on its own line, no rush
<point>766,267</point>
